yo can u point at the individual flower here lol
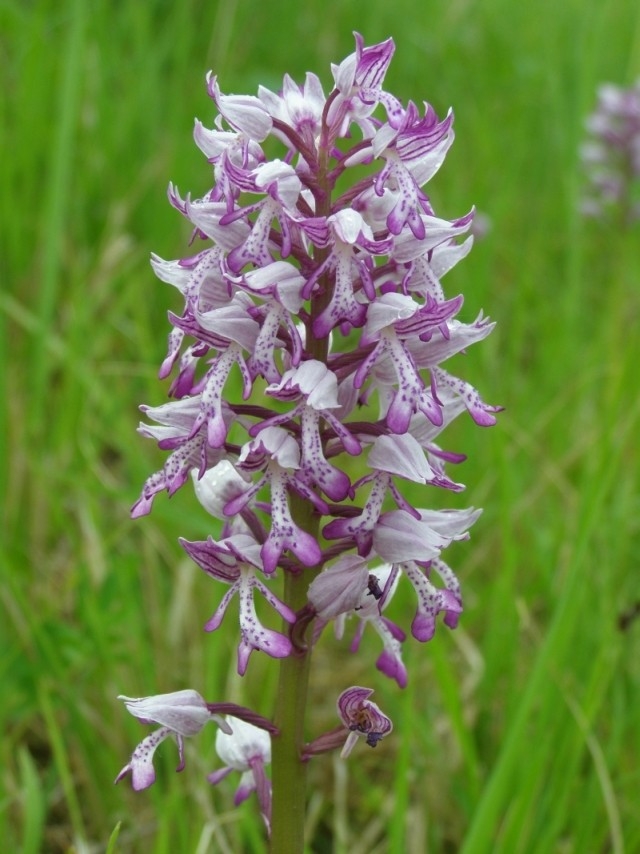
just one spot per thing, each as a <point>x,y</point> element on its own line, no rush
<point>353,588</point>
<point>382,584</point>
<point>234,561</point>
<point>180,714</point>
<point>187,451</point>
<point>247,749</point>
<point>362,717</point>
<point>358,91</point>
<point>298,108</point>
<point>318,388</point>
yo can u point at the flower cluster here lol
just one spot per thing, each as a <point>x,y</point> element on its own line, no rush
<point>612,153</point>
<point>328,304</point>
<point>308,366</point>
<point>242,742</point>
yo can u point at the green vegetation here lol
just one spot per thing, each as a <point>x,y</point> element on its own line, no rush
<point>518,733</point>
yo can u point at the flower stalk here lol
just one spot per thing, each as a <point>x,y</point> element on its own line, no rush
<point>328,303</point>
<point>288,772</point>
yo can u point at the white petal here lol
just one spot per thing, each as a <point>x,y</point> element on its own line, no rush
<point>245,742</point>
<point>401,455</point>
<point>217,486</point>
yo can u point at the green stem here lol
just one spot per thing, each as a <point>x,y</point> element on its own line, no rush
<point>288,772</point>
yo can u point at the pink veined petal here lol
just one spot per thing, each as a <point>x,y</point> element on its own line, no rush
<point>401,455</point>
<point>453,524</point>
<point>388,309</point>
<point>398,537</point>
<point>214,558</point>
<point>245,113</point>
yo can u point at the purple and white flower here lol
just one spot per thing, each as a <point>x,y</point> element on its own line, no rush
<point>181,714</point>
<point>309,383</point>
<point>247,749</point>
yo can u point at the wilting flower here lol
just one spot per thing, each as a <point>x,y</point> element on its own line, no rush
<point>611,155</point>
<point>332,305</point>
<point>180,714</point>
<point>247,749</point>
<point>362,717</point>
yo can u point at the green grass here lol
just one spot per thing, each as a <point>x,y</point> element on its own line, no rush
<point>519,731</point>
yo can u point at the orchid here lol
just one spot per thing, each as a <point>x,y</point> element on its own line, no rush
<point>180,714</point>
<point>611,154</point>
<point>309,391</point>
<point>232,561</point>
<point>247,749</point>
<point>362,717</point>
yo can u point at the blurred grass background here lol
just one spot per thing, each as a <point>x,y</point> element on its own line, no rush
<point>519,732</point>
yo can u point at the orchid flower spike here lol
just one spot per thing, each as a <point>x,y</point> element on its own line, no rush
<point>611,154</point>
<point>313,328</point>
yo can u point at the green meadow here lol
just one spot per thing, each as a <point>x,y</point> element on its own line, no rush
<point>519,733</point>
